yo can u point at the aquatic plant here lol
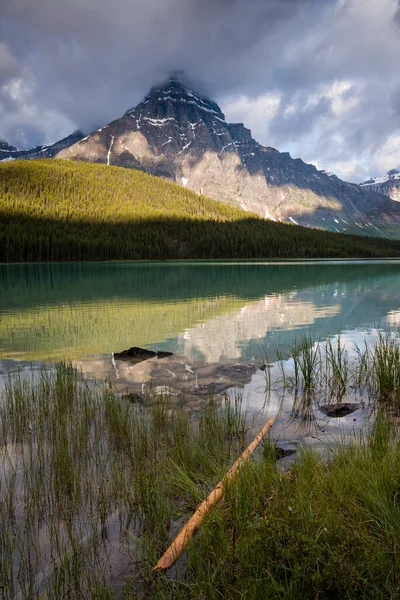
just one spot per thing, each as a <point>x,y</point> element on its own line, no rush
<point>328,371</point>
<point>386,367</point>
<point>94,488</point>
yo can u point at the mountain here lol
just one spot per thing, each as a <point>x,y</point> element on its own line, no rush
<point>8,152</point>
<point>183,136</point>
<point>389,184</point>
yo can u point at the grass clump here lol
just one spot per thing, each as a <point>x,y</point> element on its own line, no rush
<point>94,488</point>
<point>327,371</point>
<point>325,529</point>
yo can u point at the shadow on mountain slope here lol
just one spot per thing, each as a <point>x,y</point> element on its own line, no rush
<point>25,238</point>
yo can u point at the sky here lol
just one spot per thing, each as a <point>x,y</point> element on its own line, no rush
<point>317,78</point>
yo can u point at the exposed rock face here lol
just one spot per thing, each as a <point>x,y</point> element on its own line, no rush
<point>388,184</point>
<point>5,147</point>
<point>8,152</point>
<point>180,135</point>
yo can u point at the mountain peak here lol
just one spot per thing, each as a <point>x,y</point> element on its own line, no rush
<point>6,147</point>
<point>388,184</point>
<point>180,134</point>
<point>173,91</point>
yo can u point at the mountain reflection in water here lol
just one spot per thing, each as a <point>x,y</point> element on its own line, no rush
<point>206,313</point>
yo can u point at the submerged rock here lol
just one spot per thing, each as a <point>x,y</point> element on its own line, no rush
<point>265,366</point>
<point>235,370</point>
<point>208,389</point>
<point>138,354</point>
<point>274,453</point>
<point>283,452</point>
<point>342,409</point>
<point>134,397</point>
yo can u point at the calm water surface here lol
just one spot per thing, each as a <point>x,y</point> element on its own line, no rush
<point>210,315</point>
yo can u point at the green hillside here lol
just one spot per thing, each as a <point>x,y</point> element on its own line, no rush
<point>63,210</point>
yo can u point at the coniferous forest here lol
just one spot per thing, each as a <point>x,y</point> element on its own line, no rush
<point>53,210</point>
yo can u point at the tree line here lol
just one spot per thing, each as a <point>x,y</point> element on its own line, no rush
<point>53,210</point>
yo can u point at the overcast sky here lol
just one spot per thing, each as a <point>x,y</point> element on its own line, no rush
<point>317,78</point>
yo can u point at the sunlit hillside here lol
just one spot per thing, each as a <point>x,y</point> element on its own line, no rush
<point>64,210</point>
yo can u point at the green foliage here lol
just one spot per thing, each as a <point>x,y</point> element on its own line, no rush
<point>94,488</point>
<point>327,371</point>
<point>53,210</point>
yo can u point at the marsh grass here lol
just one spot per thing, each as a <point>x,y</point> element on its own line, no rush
<point>94,488</point>
<point>386,366</point>
<point>319,372</point>
<point>325,529</point>
<point>93,485</point>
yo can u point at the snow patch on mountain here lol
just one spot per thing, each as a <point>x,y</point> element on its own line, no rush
<point>392,175</point>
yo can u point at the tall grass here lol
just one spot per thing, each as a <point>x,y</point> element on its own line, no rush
<point>94,488</point>
<point>322,530</point>
<point>92,484</point>
<point>386,368</point>
<point>329,372</point>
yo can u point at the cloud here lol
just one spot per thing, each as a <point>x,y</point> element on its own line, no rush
<point>317,78</point>
<point>9,65</point>
<point>339,91</point>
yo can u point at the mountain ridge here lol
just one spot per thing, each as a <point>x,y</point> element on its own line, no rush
<point>180,135</point>
<point>8,152</point>
<point>389,184</point>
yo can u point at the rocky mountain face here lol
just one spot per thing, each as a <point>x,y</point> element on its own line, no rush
<point>8,152</point>
<point>180,135</point>
<point>388,184</point>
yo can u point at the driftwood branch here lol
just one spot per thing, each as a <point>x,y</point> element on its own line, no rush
<point>187,531</point>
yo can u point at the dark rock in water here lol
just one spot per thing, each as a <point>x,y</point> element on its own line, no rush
<point>341,409</point>
<point>274,453</point>
<point>238,369</point>
<point>206,389</point>
<point>164,354</point>
<point>134,397</point>
<point>138,354</point>
<point>283,452</point>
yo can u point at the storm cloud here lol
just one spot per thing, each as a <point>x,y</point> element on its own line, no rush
<point>318,78</point>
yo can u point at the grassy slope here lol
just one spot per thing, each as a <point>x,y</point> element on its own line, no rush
<point>59,210</point>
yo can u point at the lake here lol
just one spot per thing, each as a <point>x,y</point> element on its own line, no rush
<point>222,320</point>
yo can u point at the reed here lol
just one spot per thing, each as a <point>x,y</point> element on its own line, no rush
<point>95,488</point>
<point>318,372</point>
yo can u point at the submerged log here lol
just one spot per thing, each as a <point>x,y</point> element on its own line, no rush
<point>186,533</point>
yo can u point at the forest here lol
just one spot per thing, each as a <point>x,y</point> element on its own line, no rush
<point>54,210</point>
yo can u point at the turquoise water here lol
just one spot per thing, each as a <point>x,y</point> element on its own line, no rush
<point>208,311</point>
<point>212,316</point>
